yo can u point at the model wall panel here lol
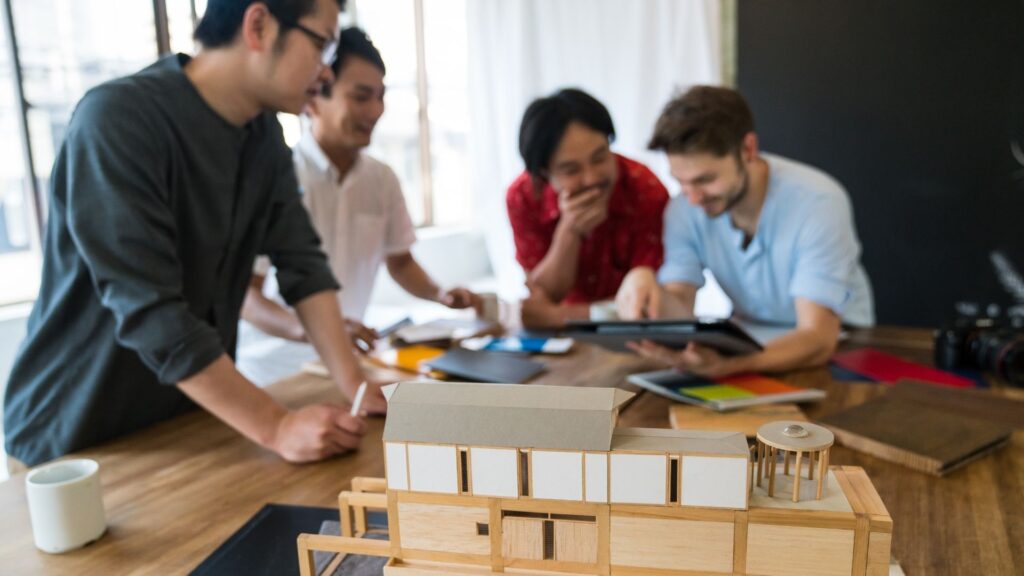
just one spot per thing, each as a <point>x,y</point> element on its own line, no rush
<point>714,481</point>
<point>397,471</point>
<point>557,475</point>
<point>669,544</point>
<point>638,478</point>
<point>433,469</point>
<point>495,472</point>
<point>442,528</point>
<point>798,551</point>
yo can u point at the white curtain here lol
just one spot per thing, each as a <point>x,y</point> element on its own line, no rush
<point>631,55</point>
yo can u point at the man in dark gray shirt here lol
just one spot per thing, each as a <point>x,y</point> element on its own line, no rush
<point>168,185</point>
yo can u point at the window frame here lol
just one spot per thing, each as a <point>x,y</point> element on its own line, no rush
<point>36,202</point>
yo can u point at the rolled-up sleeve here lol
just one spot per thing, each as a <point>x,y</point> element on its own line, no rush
<point>682,247</point>
<point>291,242</point>
<point>120,220</point>
<point>827,254</point>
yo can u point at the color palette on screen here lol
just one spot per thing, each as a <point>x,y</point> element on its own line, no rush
<point>735,387</point>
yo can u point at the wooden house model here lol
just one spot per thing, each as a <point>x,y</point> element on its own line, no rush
<point>488,478</point>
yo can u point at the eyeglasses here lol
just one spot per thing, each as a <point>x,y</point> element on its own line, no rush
<point>328,46</point>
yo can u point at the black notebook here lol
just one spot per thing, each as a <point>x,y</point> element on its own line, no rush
<point>266,543</point>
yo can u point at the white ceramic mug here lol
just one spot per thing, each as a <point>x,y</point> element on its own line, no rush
<point>65,504</point>
<point>490,310</point>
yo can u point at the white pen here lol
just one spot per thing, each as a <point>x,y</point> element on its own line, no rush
<point>358,402</point>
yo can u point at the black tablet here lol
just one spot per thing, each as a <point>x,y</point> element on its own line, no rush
<point>722,335</point>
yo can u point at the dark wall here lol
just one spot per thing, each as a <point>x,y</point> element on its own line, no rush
<point>914,106</point>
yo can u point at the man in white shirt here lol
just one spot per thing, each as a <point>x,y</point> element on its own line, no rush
<point>355,201</point>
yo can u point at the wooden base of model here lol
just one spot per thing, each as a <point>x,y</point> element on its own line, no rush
<point>848,533</point>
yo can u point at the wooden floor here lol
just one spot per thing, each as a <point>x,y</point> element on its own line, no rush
<point>175,492</point>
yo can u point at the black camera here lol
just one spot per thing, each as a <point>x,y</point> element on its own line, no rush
<point>986,343</point>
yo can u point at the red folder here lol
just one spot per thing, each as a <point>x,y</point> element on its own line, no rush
<point>888,368</point>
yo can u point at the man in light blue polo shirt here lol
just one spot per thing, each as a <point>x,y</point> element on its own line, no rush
<point>777,235</point>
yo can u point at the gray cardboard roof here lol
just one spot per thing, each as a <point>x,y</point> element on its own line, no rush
<point>680,441</point>
<point>517,416</point>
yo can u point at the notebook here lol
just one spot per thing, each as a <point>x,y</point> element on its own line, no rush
<point>981,404</point>
<point>932,440</point>
<point>883,367</point>
<point>485,366</point>
<point>410,358</point>
<point>724,394</point>
<point>745,420</point>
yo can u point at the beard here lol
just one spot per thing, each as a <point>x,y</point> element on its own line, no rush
<point>736,195</point>
<point>740,192</point>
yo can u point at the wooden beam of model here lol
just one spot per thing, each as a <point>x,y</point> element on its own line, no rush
<point>492,478</point>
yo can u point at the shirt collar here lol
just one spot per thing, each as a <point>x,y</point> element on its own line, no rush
<point>309,148</point>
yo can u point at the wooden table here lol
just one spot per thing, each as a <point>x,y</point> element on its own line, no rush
<point>970,522</point>
<point>174,492</point>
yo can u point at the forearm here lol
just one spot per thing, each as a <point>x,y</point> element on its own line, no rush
<point>408,274</point>
<point>222,390</point>
<point>271,317</point>
<point>799,348</point>
<point>555,316</point>
<point>556,272</point>
<point>575,312</point>
<point>321,316</point>
<point>677,300</point>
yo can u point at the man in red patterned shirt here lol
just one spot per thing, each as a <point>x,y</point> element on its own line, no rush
<point>582,216</point>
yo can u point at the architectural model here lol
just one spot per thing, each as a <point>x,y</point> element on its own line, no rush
<point>494,478</point>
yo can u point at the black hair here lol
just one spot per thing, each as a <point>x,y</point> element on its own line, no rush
<point>223,18</point>
<point>546,120</point>
<point>353,41</point>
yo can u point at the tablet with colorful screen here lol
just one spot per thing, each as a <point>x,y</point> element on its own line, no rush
<point>726,393</point>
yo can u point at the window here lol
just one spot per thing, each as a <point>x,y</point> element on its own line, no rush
<point>524,473</point>
<point>63,48</point>
<point>549,540</point>
<point>673,479</point>
<point>422,136</point>
<point>423,133</point>
<point>463,471</point>
<point>19,249</point>
<point>182,17</point>
<point>87,43</point>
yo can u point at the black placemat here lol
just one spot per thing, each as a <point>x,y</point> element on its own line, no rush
<point>266,543</point>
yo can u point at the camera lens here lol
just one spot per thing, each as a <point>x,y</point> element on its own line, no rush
<point>1011,363</point>
<point>1002,353</point>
